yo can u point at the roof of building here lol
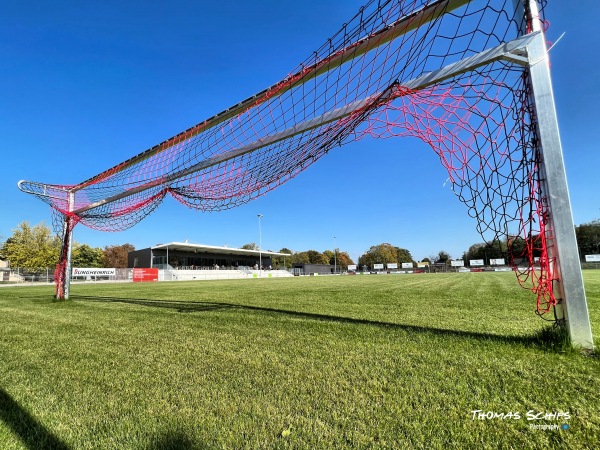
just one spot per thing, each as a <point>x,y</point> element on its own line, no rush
<point>188,247</point>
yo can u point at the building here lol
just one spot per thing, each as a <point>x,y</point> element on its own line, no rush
<point>186,256</point>
<point>312,269</point>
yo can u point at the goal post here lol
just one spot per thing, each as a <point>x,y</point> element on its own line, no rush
<point>568,282</point>
<point>417,68</point>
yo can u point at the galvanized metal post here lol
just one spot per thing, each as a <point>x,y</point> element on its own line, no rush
<point>259,246</point>
<point>569,287</point>
<point>68,249</point>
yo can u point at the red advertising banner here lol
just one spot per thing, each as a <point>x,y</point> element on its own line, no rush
<point>140,275</point>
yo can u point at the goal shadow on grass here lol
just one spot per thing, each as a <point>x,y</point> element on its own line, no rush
<point>542,339</point>
<point>32,433</point>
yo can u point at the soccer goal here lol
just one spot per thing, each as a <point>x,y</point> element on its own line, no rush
<point>470,78</point>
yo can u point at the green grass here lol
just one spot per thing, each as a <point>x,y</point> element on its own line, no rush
<point>316,363</point>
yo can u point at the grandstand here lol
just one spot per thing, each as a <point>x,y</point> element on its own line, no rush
<point>188,256</point>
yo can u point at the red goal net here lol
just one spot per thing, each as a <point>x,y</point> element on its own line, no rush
<point>452,73</point>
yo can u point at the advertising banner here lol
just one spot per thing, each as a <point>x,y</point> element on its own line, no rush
<point>378,266</point>
<point>457,263</point>
<point>392,265</point>
<point>497,262</point>
<point>93,272</point>
<point>476,262</point>
<point>407,265</point>
<point>143,275</point>
<point>592,258</point>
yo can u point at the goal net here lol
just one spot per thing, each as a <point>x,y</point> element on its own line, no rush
<point>452,73</point>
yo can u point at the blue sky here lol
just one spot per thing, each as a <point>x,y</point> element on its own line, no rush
<point>85,85</point>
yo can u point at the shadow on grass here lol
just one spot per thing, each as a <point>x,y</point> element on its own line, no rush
<point>33,434</point>
<point>556,341</point>
<point>178,305</point>
<point>556,338</point>
<point>175,440</point>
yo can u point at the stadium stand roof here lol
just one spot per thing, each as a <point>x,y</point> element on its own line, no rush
<point>197,248</point>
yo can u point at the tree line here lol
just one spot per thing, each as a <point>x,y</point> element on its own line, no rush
<point>333,257</point>
<point>384,254</point>
<point>587,235</point>
<point>37,247</point>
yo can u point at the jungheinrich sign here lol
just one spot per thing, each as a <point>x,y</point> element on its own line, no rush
<point>95,272</point>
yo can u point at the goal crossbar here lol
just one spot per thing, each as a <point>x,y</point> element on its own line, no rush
<point>514,51</point>
<point>402,26</point>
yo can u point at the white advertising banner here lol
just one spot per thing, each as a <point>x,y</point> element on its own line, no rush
<point>407,265</point>
<point>592,258</point>
<point>352,267</point>
<point>457,263</point>
<point>392,265</point>
<point>497,262</point>
<point>94,272</point>
<point>476,262</point>
<point>378,266</point>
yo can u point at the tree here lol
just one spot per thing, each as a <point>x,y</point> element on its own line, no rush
<point>330,255</point>
<point>300,258</point>
<point>588,237</point>
<point>476,251</point>
<point>29,247</point>
<point>379,254</point>
<point>86,256</point>
<point>344,260</point>
<point>116,255</point>
<point>404,255</point>
<point>315,257</point>
<point>250,246</point>
<point>283,262</point>
<point>487,250</point>
<point>519,249</point>
<point>341,259</point>
<point>442,257</point>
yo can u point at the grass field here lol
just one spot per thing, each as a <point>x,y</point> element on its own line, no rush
<point>304,363</point>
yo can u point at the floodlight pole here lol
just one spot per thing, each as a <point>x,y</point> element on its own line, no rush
<point>259,246</point>
<point>568,287</point>
<point>334,257</point>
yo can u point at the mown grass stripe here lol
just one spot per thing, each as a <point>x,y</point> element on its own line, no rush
<point>327,362</point>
